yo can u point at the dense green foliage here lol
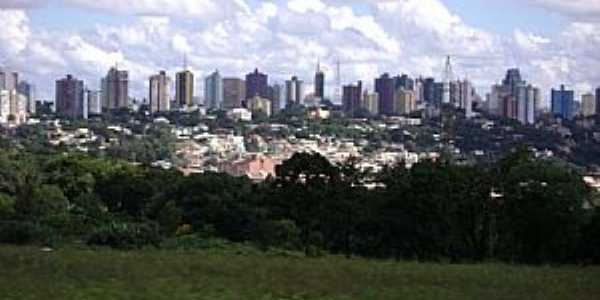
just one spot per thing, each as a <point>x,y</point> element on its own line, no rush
<point>518,210</point>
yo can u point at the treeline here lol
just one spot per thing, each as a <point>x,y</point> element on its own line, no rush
<point>517,210</point>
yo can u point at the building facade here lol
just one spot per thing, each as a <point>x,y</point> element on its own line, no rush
<point>160,92</point>
<point>258,104</point>
<point>69,101</point>
<point>352,98</point>
<point>319,83</point>
<point>115,89</point>
<point>371,102</point>
<point>404,102</point>
<point>257,84</point>
<point>588,105</point>
<point>184,89</point>
<point>8,80</point>
<point>234,93</point>
<point>293,91</point>
<point>563,103</point>
<point>94,102</point>
<point>28,90</point>
<point>384,87</point>
<point>213,91</point>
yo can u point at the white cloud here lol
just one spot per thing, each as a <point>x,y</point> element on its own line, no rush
<point>530,41</point>
<point>284,38</point>
<point>578,9</point>
<point>14,32</point>
<point>21,4</point>
<point>182,8</point>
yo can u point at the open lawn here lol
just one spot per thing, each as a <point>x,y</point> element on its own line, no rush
<point>28,273</point>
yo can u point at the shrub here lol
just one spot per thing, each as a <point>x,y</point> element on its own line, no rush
<point>124,235</point>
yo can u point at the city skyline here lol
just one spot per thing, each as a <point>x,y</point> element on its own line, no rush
<point>285,38</point>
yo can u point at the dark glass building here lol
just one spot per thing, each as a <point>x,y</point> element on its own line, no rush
<point>563,103</point>
<point>429,90</point>
<point>319,83</point>
<point>384,86</point>
<point>598,101</point>
<point>351,98</point>
<point>257,85</point>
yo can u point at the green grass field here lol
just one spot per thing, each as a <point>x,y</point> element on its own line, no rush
<point>28,273</point>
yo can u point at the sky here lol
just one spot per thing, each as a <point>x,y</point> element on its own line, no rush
<point>553,42</point>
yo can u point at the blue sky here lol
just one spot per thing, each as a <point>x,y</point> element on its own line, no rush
<point>552,41</point>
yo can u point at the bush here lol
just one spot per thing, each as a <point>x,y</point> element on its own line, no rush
<point>282,234</point>
<point>125,235</point>
<point>23,232</point>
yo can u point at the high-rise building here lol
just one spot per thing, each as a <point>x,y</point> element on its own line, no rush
<point>94,102</point>
<point>160,92</point>
<point>28,91</point>
<point>466,95</point>
<point>384,87</point>
<point>293,91</point>
<point>404,102</point>
<point>213,91</point>
<point>352,98</point>
<point>5,96</point>
<point>277,96</point>
<point>514,99</point>
<point>512,79</point>
<point>115,89</point>
<point>404,82</point>
<point>184,88</point>
<point>370,102</point>
<point>588,105</point>
<point>598,101</point>
<point>234,93</point>
<point>257,84</point>
<point>563,103</point>
<point>429,91</point>
<point>69,100</point>
<point>8,80</point>
<point>319,83</point>
<point>526,103</point>
<point>258,104</point>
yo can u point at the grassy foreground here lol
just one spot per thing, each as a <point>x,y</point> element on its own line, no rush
<point>28,273</point>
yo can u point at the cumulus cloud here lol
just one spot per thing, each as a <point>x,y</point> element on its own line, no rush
<point>181,8</point>
<point>578,9</point>
<point>21,4</point>
<point>285,38</point>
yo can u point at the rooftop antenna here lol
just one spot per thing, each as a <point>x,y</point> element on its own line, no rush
<point>318,64</point>
<point>185,62</point>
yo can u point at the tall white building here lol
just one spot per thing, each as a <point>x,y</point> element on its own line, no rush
<point>94,102</point>
<point>160,92</point>
<point>526,104</point>
<point>588,105</point>
<point>13,107</point>
<point>213,91</point>
<point>28,90</point>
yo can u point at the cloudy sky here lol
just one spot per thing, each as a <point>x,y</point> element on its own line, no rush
<point>552,41</point>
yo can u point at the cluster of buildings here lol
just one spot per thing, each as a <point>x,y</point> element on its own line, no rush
<point>17,99</point>
<point>515,99</point>
<point>74,100</point>
<point>400,95</point>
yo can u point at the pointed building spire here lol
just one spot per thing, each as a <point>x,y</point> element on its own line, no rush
<point>318,64</point>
